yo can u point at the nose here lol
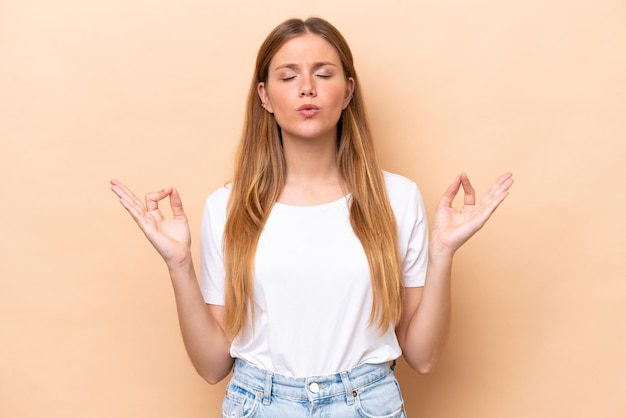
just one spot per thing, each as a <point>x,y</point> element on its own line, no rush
<point>307,89</point>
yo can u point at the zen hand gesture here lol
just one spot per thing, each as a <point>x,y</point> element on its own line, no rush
<point>170,237</point>
<point>451,227</point>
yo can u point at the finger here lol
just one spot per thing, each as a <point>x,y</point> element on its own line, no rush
<point>152,199</point>
<point>177,205</point>
<point>504,181</point>
<point>469,197</point>
<point>451,192</point>
<point>134,206</point>
<point>497,193</point>
<point>127,198</point>
<point>123,192</point>
<point>136,211</point>
<point>500,187</point>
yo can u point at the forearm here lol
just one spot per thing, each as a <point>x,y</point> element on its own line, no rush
<point>425,322</point>
<point>428,327</point>
<point>203,335</point>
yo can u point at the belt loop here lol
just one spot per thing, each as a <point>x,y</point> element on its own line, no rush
<point>267,391</point>
<point>348,387</point>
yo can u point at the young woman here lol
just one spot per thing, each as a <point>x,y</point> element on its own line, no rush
<point>317,271</point>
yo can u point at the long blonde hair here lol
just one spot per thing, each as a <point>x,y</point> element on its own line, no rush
<point>260,176</point>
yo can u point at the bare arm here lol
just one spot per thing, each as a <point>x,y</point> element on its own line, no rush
<point>423,329</point>
<point>201,324</point>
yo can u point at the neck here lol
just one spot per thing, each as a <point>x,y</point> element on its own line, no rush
<point>312,175</point>
<point>311,160</point>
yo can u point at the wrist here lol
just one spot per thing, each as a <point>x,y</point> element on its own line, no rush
<point>181,265</point>
<point>440,252</point>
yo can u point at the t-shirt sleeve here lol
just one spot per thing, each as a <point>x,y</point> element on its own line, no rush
<point>212,272</point>
<point>413,237</point>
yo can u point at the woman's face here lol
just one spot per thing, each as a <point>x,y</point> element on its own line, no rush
<point>306,88</point>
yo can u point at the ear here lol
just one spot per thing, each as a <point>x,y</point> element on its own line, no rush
<point>349,92</point>
<point>265,101</point>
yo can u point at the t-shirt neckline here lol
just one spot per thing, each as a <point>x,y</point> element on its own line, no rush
<point>342,199</point>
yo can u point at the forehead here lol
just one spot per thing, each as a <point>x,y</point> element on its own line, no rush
<point>305,49</point>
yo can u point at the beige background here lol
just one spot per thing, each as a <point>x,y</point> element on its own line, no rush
<point>152,92</point>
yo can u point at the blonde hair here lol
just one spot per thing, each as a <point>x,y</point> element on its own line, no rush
<point>260,176</point>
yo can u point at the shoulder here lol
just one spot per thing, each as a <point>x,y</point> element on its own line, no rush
<point>216,204</point>
<point>399,187</point>
<point>404,195</point>
<point>397,181</point>
<point>219,197</point>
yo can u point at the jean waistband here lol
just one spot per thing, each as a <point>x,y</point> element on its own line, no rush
<point>267,383</point>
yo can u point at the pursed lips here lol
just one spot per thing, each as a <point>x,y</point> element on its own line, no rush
<point>308,109</point>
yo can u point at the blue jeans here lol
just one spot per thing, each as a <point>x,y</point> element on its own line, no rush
<point>367,391</point>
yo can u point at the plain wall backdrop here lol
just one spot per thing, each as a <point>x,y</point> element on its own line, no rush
<point>152,93</point>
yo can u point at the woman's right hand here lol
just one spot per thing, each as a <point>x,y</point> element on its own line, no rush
<point>170,237</point>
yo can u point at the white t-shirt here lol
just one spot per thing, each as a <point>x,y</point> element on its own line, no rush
<point>312,285</point>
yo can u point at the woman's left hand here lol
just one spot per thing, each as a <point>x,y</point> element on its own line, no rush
<point>452,227</point>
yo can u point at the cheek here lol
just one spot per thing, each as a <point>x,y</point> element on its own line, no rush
<point>280,108</point>
<point>339,98</point>
<point>278,99</point>
<point>339,94</point>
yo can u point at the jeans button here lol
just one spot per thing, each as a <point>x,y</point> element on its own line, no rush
<point>314,387</point>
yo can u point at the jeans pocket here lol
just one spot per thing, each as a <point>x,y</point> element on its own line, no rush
<point>239,402</point>
<point>381,399</point>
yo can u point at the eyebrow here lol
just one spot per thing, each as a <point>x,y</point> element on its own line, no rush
<point>316,65</point>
